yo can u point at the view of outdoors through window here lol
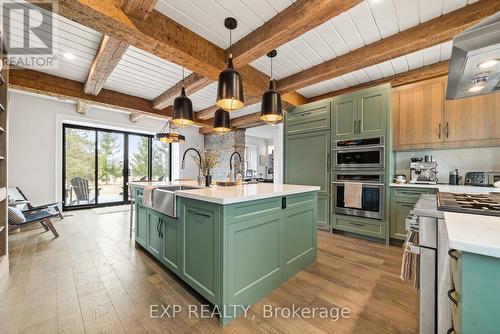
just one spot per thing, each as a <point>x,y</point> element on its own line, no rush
<point>147,159</point>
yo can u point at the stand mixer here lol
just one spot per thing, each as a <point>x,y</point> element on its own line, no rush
<point>423,172</point>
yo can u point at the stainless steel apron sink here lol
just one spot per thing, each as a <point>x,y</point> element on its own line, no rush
<point>164,199</point>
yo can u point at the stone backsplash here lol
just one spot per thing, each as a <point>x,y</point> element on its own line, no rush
<point>225,145</point>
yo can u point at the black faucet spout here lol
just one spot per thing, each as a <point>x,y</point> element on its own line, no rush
<point>231,159</point>
<point>184,156</point>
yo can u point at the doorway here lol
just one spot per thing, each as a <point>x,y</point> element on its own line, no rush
<point>99,163</point>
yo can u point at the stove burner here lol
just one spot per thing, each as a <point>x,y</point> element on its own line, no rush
<point>481,204</point>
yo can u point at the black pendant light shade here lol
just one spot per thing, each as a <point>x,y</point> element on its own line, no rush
<point>230,85</point>
<point>271,109</point>
<point>222,121</point>
<point>182,110</point>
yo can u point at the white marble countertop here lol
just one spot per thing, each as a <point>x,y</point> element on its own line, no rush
<point>449,188</point>
<point>235,194</point>
<point>473,233</point>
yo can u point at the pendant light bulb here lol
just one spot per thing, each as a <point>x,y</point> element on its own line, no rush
<point>271,110</point>
<point>182,109</point>
<point>230,84</point>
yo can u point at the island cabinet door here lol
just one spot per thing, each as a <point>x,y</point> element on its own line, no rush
<point>170,254</point>
<point>299,232</point>
<point>201,247</point>
<point>154,245</point>
<point>141,225</point>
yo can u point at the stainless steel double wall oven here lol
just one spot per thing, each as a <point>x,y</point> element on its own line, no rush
<point>360,161</point>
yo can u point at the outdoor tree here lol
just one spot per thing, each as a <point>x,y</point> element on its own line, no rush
<point>139,161</point>
<point>109,164</point>
<point>79,154</point>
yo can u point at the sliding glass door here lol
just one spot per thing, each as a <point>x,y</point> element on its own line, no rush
<point>98,164</point>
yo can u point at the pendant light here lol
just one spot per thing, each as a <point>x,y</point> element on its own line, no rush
<point>182,110</point>
<point>168,135</point>
<point>230,85</point>
<point>222,121</point>
<point>271,110</point>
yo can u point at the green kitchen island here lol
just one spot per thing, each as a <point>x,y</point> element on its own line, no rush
<point>233,245</point>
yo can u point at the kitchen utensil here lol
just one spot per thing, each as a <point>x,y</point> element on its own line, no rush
<point>454,178</point>
<point>400,178</point>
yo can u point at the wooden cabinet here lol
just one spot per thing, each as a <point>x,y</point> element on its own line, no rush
<point>422,119</point>
<point>363,114</point>
<point>307,162</point>
<point>403,199</point>
<point>141,224</point>
<point>155,234</point>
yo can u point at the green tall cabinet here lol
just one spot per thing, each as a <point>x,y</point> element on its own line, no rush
<point>307,152</point>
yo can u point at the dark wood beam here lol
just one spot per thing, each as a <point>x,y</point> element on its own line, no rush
<point>139,9</point>
<point>433,32</point>
<point>295,20</point>
<point>420,74</point>
<point>109,55</point>
<point>192,83</point>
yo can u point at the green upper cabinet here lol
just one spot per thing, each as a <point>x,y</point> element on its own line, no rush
<point>372,113</point>
<point>307,160</point>
<point>307,118</point>
<point>345,119</point>
<point>361,114</point>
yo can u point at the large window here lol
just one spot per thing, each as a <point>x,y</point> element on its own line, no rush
<point>98,164</point>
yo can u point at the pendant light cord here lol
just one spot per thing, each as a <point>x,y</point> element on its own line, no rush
<point>182,76</point>
<point>271,69</point>
<point>230,42</point>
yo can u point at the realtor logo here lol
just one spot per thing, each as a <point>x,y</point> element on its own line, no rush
<point>29,33</point>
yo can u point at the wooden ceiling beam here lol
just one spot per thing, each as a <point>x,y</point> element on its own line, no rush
<point>433,32</point>
<point>109,55</point>
<point>139,9</point>
<point>297,19</point>
<point>192,83</point>
<point>420,74</point>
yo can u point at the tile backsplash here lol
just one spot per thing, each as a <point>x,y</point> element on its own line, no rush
<point>465,160</point>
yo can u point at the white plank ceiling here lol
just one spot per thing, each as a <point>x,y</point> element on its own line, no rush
<point>206,17</point>
<point>75,48</point>
<point>363,24</point>
<point>388,68</point>
<point>145,75</point>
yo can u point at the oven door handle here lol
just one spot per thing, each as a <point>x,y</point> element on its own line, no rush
<point>356,148</point>
<point>364,183</point>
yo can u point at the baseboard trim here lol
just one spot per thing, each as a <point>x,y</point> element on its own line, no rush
<point>4,273</point>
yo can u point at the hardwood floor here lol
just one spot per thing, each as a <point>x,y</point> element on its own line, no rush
<point>92,279</point>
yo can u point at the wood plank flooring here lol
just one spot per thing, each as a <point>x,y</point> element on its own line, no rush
<point>92,279</point>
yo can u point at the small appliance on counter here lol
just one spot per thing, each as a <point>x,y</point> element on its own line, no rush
<point>423,172</point>
<point>454,178</point>
<point>481,179</point>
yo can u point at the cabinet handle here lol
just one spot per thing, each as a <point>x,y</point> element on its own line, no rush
<point>447,130</point>
<point>199,214</point>
<point>359,126</point>
<point>451,297</point>
<point>355,130</point>
<point>158,227</point>
<point>305,114</point>
<point>328,162</point>
<point>451,253</point>
<point>451,330</point>
<point>357,224</point>
<point>439,135</point>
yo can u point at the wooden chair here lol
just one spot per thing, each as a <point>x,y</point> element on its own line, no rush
<point>18,196</point>
<point>42,216</point>
<point>82,190</point>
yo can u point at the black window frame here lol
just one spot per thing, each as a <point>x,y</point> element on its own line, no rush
<point>126,171</point>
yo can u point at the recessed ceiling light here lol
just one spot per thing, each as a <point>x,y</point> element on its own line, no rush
<point>69,56</point>
<point>476,88</point>
<point>488,63</point>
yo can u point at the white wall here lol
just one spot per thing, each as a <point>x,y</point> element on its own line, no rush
<point>35,141</point>
<point>466,160</point>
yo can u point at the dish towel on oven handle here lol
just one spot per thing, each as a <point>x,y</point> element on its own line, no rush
<point>353,193</point>
<point>411,260</point>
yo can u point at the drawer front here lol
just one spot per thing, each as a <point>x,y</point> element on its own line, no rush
<point>376,230</point>
<point>412,193</point>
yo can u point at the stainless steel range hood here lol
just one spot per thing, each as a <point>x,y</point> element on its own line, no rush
<point>475,60</point>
